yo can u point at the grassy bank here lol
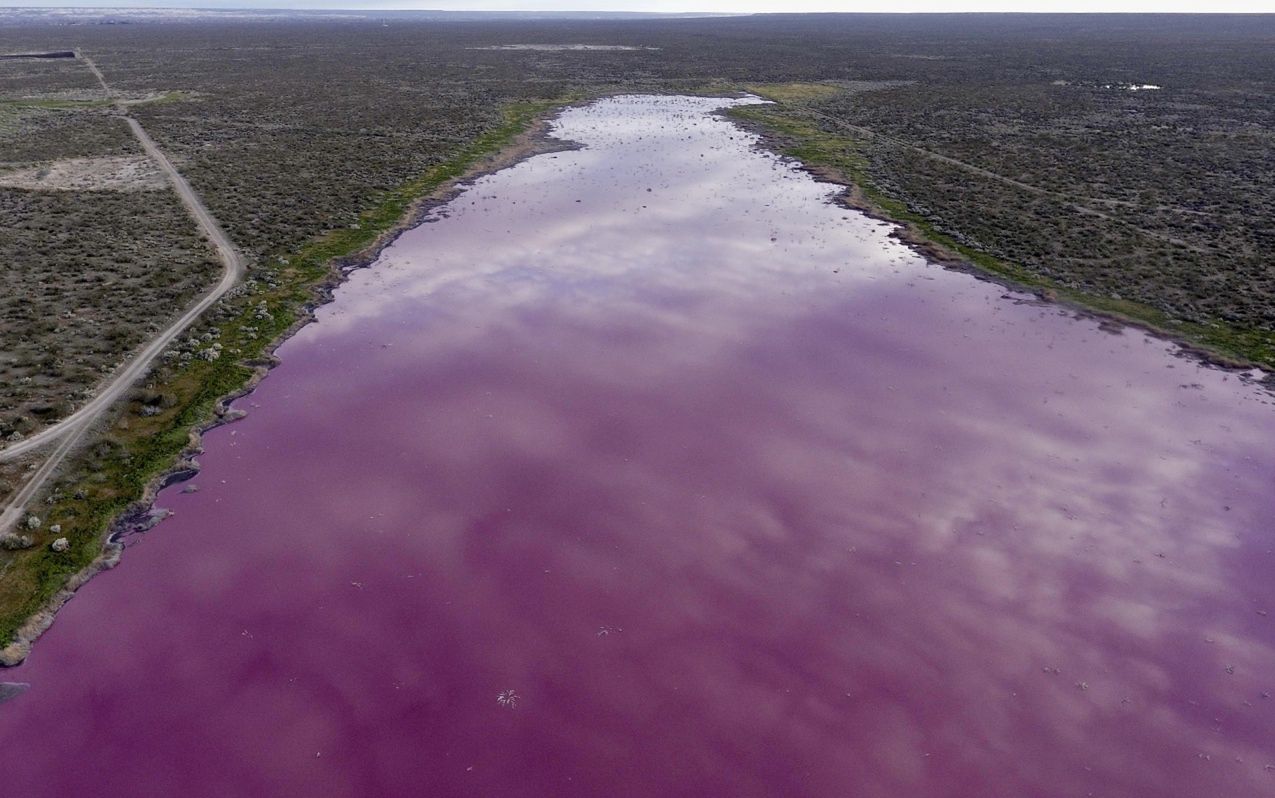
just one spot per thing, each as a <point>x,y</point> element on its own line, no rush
<point>221,355</point>
<point>844,159</point>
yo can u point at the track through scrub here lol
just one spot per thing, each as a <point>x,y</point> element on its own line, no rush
<point>71,429</point>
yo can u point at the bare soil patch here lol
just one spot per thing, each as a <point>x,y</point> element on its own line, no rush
<point>109,173</point>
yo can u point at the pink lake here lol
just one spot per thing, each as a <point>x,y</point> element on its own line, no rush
<point>737,495</point>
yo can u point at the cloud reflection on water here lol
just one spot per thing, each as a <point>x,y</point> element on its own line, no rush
<point>1073,531</point>
<point>861,526</point>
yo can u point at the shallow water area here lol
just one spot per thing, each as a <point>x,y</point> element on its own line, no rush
<point>644,469</point>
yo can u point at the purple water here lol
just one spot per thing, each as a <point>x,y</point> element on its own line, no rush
<point>734,493</point>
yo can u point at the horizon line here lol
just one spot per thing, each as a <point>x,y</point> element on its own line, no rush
<point>622,12</point>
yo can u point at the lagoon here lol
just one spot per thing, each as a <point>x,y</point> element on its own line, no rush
<point>645,469</point>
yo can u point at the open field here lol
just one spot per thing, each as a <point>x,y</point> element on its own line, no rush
<point>1013,140</point>
<point>90,275</point>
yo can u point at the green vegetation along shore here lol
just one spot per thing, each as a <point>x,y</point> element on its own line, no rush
<point>792,127</point>
<point>151,436</point>
<point>1120,164</point>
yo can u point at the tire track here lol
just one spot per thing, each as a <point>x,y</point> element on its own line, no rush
<point>71,429</point>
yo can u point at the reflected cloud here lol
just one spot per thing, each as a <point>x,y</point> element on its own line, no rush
<point>852,524</point>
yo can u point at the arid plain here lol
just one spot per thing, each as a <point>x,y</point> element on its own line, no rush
<point>912,367</point>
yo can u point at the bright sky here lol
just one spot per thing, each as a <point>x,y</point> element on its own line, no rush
<point>751,6</point>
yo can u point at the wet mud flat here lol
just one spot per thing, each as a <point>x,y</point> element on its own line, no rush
<point>644,469</point>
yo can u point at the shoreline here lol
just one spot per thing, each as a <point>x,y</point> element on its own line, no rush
<point>856,197</point>
<point>531,141</point>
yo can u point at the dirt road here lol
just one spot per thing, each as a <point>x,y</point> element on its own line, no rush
<point>71,428</point>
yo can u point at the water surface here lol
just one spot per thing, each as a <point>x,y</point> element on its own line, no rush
<point>724,492</point>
